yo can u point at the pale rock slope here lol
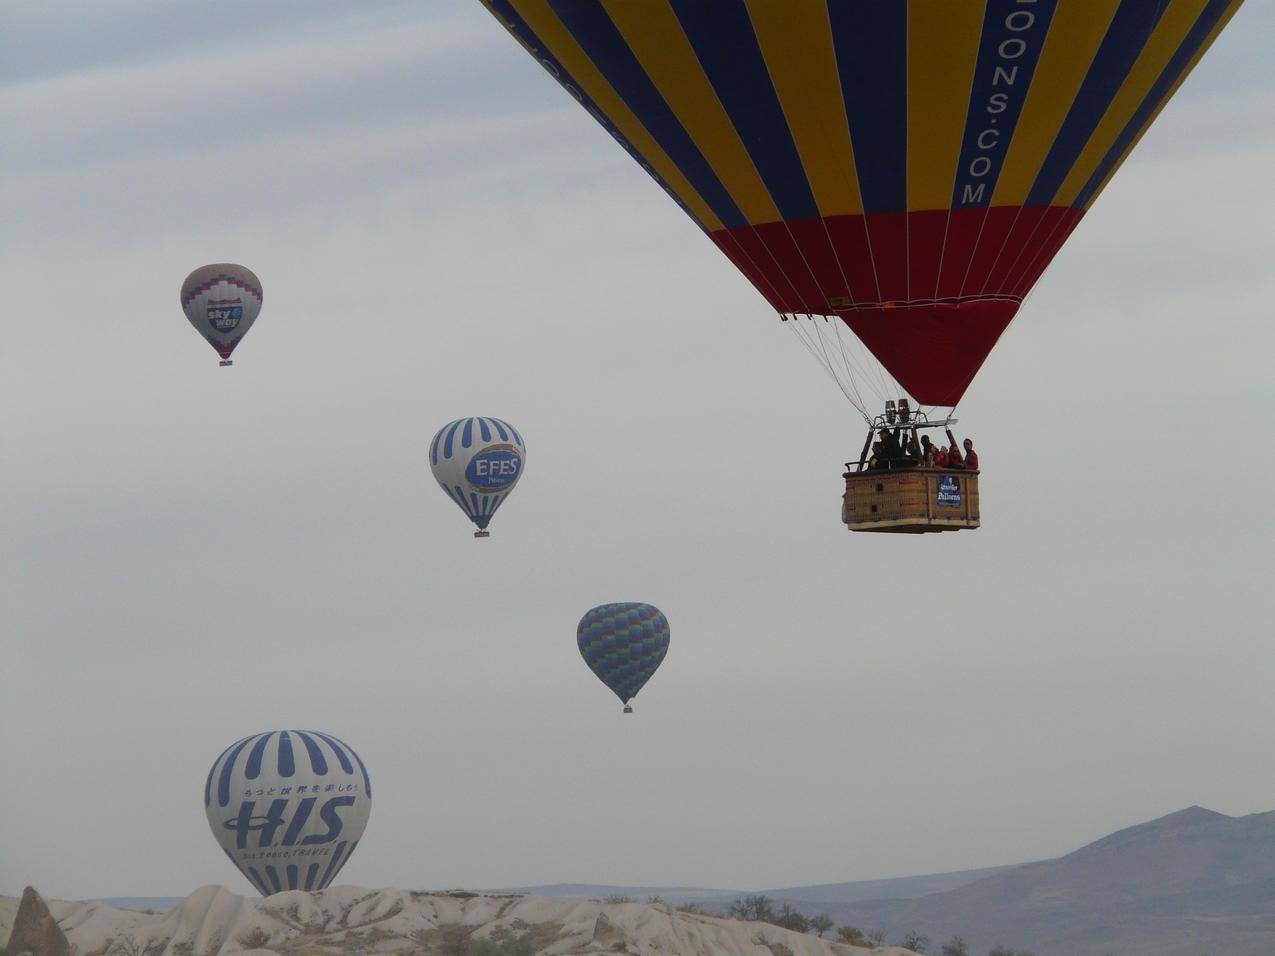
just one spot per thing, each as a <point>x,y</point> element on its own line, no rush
<point>345,919</point>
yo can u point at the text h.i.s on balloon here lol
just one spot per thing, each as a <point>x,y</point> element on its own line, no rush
<point>276,817</point>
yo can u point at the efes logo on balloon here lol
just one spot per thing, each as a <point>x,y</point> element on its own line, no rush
<point>494,468</point>
<point>224,314</point>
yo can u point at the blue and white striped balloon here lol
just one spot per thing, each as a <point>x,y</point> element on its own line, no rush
<point>288,807</point>
<point>477,461</point>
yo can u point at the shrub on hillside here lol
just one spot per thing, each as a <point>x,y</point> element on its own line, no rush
<point>792,919</point>
<point>851,934</point>
<point>758,908</point>
<point>258,938</point>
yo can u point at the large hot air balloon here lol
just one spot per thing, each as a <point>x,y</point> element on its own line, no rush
<point>288,807</point>
<point>623,644</point>
<point>903,170</point>
<point>222,301</point>
<point>477,461</point>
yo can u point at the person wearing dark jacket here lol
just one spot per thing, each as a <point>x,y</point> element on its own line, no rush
<point>891,450</point>
<point>912,454</point>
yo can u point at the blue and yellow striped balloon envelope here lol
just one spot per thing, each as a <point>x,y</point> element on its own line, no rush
<point>623,644</point>
<point>909,167</point>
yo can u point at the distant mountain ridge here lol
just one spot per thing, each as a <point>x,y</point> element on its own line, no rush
<point>902,887</point>
<point>1190,883</point>
<point>599,891</point>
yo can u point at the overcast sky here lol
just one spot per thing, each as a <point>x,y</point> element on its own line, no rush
<point>191,554</point>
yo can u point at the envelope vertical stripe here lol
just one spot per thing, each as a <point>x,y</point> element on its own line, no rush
<point>1075,32</point>
<point>670,156</point>
<point>1129,30</point>
<point>1179,64</point>
<point>796,42</point>
<point>649,40</point>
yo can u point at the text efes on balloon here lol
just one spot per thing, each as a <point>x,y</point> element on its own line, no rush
<point>494,468</point>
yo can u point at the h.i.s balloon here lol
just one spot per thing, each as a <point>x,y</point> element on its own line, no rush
<point>288,807</point>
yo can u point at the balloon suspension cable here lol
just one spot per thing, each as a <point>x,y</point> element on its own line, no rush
<point>864,381</point>
<point>809,338</point>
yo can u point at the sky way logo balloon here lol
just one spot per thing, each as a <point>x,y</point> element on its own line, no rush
<point>222,302</point>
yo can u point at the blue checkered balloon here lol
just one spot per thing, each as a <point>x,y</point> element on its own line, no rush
<point>623,644</point>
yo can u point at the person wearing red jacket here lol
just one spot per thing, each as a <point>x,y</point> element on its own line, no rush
<point>954,453</point>
<point>971,456</point>
<point>940,456</point>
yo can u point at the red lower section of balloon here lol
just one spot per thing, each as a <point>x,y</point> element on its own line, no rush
<point>933,350</point>
<point>928,292</point>
<point>224,350</point>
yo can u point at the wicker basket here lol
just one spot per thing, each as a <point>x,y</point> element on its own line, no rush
<point>910,500</point>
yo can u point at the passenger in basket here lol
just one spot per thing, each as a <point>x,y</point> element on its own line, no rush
<point>971,456</point>
<point>926,447</point>
<point>913,451</point>
<point>875,461</point>
<point>891,451</point>
<point>929,456</point>
<point>954,453</point>
<point>940,456</point>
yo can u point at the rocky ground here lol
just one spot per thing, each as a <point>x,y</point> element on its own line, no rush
<point>212,920</point>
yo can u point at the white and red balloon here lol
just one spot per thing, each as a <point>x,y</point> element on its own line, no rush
<point>222,301</point>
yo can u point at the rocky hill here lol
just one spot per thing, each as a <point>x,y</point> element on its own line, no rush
<point>212,920</point>
<point>1192,883</point>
